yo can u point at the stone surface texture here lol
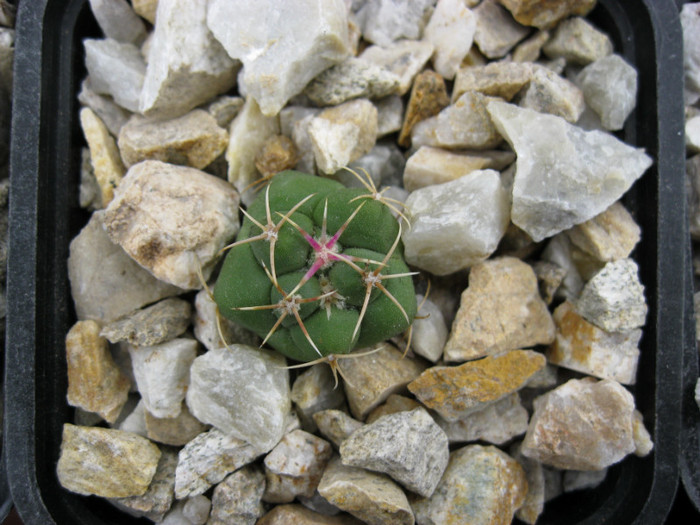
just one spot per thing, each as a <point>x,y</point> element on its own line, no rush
<point>313,391</point>
<point>278,153</point>
<point>112,115</point>
<point>175,431</point>
<point>496,79</point>
<point>299,515</point>
<point>335,425</point>
<point>428,98</point>
<point>405,58</point>
<point>548,92</point>
<point>545,14</point>
<point>153,325</point>
<point>118,21</point>
<point>496,31</point>
<point>429,331</point>
<point>578,42</point>
<point>116,69</point>
<point>237,499</point>
<point>451,31</point>
<point>384,21</point>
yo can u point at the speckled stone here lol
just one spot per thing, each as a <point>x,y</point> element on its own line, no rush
<point>545,14</point>
<point>496,79</point>
<point>278,153</point>
<point>237,499</point>
<point>428,98</point>
<point>335,425</point>
<point>496,31</point>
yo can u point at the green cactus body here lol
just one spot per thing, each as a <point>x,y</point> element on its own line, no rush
<point>317,269</point>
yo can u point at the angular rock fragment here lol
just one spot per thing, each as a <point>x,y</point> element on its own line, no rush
<point>283,52</point>
<point>186,64</point>
<point>529,49</point>
<point>495,79</point>
<point>371,497</point>
<point>237,499</point>
<point>428,98</point>
<point>277,154</point>
<point>207,459</point>
<point>343,133</point>
<point>111,114</point>
<point>394,403</point>
<point>456,224</point>
<point>224,109</point>
<point>481,484</point>
<point>300,515</point>
<point>496,31</point>
<point>254,405</point>
<point>313,391</point>
<point>95,383</point>
<point>118,21</point>
<point>193,139</point>
<point>295,466</point>
<point>547,92</point>
<point>595,416</point>
<point>150,326</point>
<point>335,425</point>
<point>430,331</point>
<point>389,115</point>
<point>407,446</point>
<point>175,431</point>
<point>106,462</point>
<point>209,326</point>
<point>196,510</point>
<point>556,188</point>
<point>173,220</point>
<point>384,21</point>
<point>405,58</point>
<point>501,310</point>
<point>578,42</point>
<point>545,14</point>
<point>457,391</point>
<point>135,421</point>
<point>451,31</point>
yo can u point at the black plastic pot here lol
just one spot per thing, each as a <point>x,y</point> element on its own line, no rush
<point>46,142</point>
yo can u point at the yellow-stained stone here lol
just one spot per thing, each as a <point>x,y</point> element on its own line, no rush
<point>106,161</point>
<point>454,392</point>
<point>95,382</point>
<point>146,9</point>
<point>545,14</point>
<point>428,98</point>
<point>295,514</point>
<point>395,403</point>
<point>496,79</point>
<point>277,154</point>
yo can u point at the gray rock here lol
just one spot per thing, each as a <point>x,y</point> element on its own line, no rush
<point>113,115</point>
<point>237,499</point>
<point>578,42</point>
<point>385,21</point>
<point>547,92</point>
<point>118,21</point>
<point>335,425</point>
<point>175,431</point>
<point>316,390</point>
<point>451,31</point>
<point>496,31</point>
<point>224,109</point>
<point>196,510</point>
<point>408,446</point>
<point>429,330</point>
<point>389,115</point>
<point>405,58</point>
<point>556,188</point>
<point>156,324</point>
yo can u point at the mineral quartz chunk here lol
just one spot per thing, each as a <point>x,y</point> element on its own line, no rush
<point>295,466</point>
<point>578,42</point>
<point>173,220</point>
<point>481,484</point>
<point>385,21</point>
<point>496,31</point>
<point>405,58</point>
<point>456,224</point>
<point>283,52</point>
<point>429,331</point>
<point>111,114</point>
<point>209,326</point>
<point>501,310</point>
<point>389,115</point>
<point>428,98</point>
<point>207,459</point>
<point>196,510</point>
<point>582,346</point>
<point>156,324</point>
<point>95,383</point>
<point>238,499</point>
<point>371,497</point>
<point>547,92</point>
<point>610,87</point>
<point>186,64</point>
<point>174,431</point>
<point>123,285</point>
<point>408,446</point>
<point>529,49</point>
<point>343,133</point>
<point>690,23</point>
<point>242,391</point>
<point>313,391</point>
<point>556,188</point>
<point>106,462</point>
<point>116,69</point>
<point>545,14</point>
<point>457,391</point>
<point>335,425</point>
<point>496,79</point>
<point>118,21</point>
<point>596,417</point>
<point>451,31</point>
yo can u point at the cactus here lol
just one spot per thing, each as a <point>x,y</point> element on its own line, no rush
<point>317,269</point>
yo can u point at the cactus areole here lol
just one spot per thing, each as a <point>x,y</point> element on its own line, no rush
<point>317,269</point>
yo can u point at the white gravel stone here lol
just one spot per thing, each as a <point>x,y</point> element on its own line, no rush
<point>186,64</point>
<point>389,115</point>
<point>385,21</point>
<point>576,40</point>
<point>237,499</point>
<point>456,224</point>
<point>496,31</point>
<point>548,92</point>
<point>451,31</point>
<point>116,69</point>
<point>135,422</point>
<point>429,330</point>
<point>313,391</point>
<point>405,58</point>
<point>196,510</point>
<point>282,45</point>
<point>209,326</point>
<point>242,391</point>
<point>335,425</point>
<point>162,375</point>
<point>117,20</point>
<point>556,188</point>
<point>173,220</point>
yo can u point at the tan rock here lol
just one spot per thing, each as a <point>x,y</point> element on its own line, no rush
<point>549,279</point>
<point>497,79</point>
<point>106,462</point>
<point>578,42</point>
<point>278,153</point>
<point>175,431</point>
<point>146,9</point>
<point>95,382</point>
<point>545,14</point>
<point>496,31</point>
<point>529,50</point>
<point>456,391</point>
<point>335,425</point>
<point>428,97</point>
<point>104,155</point>
<point>394,403</point>
<point>548,92</point>
<point>372,378</point>
<point>295,514</point>
<point>500,310</point>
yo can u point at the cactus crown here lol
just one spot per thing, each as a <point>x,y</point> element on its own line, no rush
<point>317,269</point>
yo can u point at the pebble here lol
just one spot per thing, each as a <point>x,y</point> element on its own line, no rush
<point>162,374</point>
<point>690,23</point>
<point>454,392</point>
<point>501,310</point>
<point>295,466</point>
<point>299,515</point>
<point>105,462</point>
<point>429,330</point>
<point>335,425</point>
<point>277,154</point>
<point>207,459</point>
<point>394,403</point>
<point>342,134</point>
<point>313,391</point>
<point>145,9</point>
<point>196,510</point>
<point>597,418</point>
<point>224,109</point>
<point>480,485</point>
<point>405,58</point>
<point>495,79</point>
<point>451,31</point>
<point>549,279</point>
<point>206,322</point>
<point>173,220</point>
<point>548,92</point>
<point>578,42</point>
<point>186,64</point>
<point>135,421</point>
<point>150,326</point>
<point>95,382</point>
<point>529,49</point>
<point>383,22</point>
<point>254,406</point>
<point>545,14</point>
<point>610,87</point>
<point>118,21</point>
<point>111,114</point>
<point>107,165</point>
<point>371,379</point>
<point>576,181</point>
<point>280,53</point>
<point>237,499</point>
<point>457,224</point>
<point>428,98</point>
<point>390,113</point>
<point>496,31</point>
<point>370,497</point>
<point>193,139</point>
<point>116,69</point>
<point>582,346</point>
<point>175,431</point>
<point>407,446</point>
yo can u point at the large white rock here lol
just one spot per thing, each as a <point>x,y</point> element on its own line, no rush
<point>186,64</point>
<point>282,45</point>
<point>118,20</point>
<point>556,188</point>
<point>385,21</point>
<point>456,224</point>
<point>451,30</point>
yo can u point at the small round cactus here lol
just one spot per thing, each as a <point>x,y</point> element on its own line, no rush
<point>317,269</point>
